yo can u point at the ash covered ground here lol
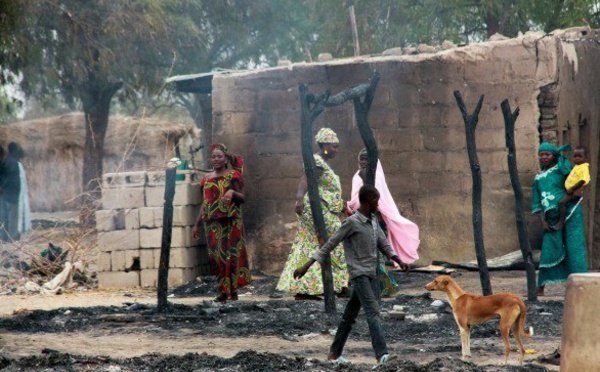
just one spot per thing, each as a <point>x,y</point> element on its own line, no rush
<point>426,330</point>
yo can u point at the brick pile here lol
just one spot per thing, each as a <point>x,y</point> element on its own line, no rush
<point>130,230</point>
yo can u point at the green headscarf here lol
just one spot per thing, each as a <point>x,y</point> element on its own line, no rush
<point>548,147</point>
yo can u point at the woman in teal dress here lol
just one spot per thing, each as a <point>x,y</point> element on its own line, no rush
<point>563,251</point>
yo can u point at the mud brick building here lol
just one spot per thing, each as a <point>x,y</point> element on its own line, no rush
<point>130,230</point>
<point>553,79</point>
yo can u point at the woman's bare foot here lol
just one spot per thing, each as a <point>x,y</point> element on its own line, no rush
<point>234,296</point>
<point>221,298</point>
<point>540,291</point>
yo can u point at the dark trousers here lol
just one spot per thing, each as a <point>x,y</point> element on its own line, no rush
<point>363,295</point>
<point>9,216</point>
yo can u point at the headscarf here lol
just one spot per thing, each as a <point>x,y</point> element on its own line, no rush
<point>362,153</point>
<point>548,147</point>
<point>564,165</point>
<point>403,234</point>
<point>236,161</point>
<point>326,135</point>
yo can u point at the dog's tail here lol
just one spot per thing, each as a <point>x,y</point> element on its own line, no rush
<point>522,321</point>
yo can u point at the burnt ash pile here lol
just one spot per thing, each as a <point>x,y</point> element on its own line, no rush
<point>426,329</point>
<point>246,361</point>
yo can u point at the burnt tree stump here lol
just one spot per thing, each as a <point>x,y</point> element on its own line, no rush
<point>312,106</point>
<point>361,112</point>
<point>165,246</point>
<point>509,127</point>
<point>470,125</point>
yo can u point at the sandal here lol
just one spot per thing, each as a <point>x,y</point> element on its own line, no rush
<point>385,359</point>
<point>221,298</point>
<point>340,361</point>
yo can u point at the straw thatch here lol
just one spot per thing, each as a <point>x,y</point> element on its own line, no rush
<point>54,153</point>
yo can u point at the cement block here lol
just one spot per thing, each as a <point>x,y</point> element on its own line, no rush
<point>131,256</point>
<point>157,179</point>
<point>132,219</point>
<point>176,277</point>
<point>127,179</point>
<point>104,261</point>
<point>149,277</point>
<point>581,325</point>
<point>118,279</point>
<point>105,220</point>
<point>181,236</point>
<point>117,259</point>
<point>186,194</point>
<point>150,238</point>
<point>119,240</point>
<point>147,217</point>
<point>185,215</point>
<point>126,197</point>
<point>186,257</point>
<point>120,220</point>
<point>155,196</point>
<point>147,259</point>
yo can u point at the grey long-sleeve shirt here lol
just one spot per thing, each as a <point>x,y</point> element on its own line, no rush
<point>362,238</point>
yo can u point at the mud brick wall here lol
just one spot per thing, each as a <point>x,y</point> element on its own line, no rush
<point>130,229</point>
<point>419,131</point>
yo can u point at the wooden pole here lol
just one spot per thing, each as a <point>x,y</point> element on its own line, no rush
<point>307,117</point>
<point>354,31</point>
<point>165,247</point>
<point>470,125</point>
<point>509,128</point>
<point>361,112</point>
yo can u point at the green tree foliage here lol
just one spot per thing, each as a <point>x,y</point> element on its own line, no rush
<point>84,51</point>
<point>384,24</point>
<point>88,51</point>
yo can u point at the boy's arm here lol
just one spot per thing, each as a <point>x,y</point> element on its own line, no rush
<point>324,251</point>
<point>385,248</point>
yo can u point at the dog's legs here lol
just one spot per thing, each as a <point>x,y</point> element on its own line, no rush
<point>516,332</point>
<point>465,338</point>
<point>465,333</point>
<point>505,325</point>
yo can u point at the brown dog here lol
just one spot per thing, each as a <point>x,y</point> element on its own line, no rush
<point>471,309</point>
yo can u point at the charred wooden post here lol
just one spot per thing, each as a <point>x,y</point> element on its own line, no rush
<point>311,107</point>
<point>361,112</point>
<point>165,247</point>
<point>509,128</point>
<point>470,125</point>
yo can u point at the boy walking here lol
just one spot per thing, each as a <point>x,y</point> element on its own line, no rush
<point>362,237</point>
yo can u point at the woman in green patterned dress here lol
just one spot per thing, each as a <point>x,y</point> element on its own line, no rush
<point>563,251</point>
<point>306,243</point>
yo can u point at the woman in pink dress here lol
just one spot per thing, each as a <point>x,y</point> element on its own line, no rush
<point>402,234</point>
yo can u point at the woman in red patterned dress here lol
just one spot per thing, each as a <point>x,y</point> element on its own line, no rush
<point>221,214</point>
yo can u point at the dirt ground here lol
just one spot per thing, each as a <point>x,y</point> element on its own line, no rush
<point>121,331</point>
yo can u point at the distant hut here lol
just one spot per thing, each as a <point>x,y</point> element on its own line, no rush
<point>54,153</point>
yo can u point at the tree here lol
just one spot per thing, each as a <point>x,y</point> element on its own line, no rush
<point>384,24</point>
<point>86,51</point>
